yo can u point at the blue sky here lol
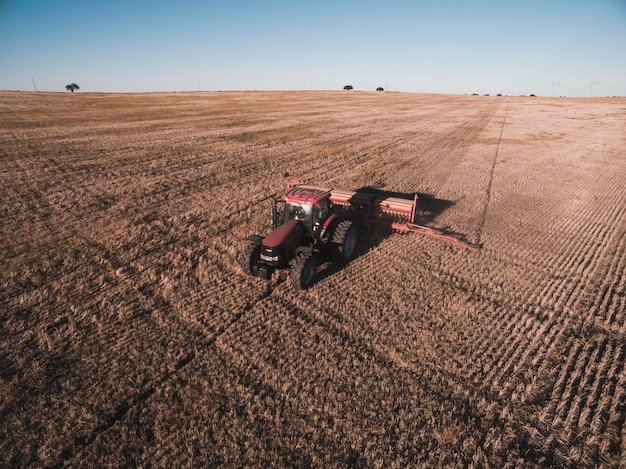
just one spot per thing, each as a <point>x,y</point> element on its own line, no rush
<point>561,47</point>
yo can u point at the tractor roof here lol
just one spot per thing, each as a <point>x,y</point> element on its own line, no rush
<point>306,195</point>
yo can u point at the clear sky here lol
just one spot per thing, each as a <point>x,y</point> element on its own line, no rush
<point>545,47</point>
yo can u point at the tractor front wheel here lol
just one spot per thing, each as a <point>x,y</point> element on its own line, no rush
<point>303,268</point>
<point>250,256</point>
<point>344,241</point>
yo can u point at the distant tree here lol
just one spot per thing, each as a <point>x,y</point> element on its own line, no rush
<point>71,87</point>
<point>348,87</point>
<point>380,88</point>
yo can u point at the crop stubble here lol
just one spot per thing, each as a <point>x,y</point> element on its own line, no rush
<point>130,336</point>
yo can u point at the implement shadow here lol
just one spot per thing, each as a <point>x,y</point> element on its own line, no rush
<point>428,208</point>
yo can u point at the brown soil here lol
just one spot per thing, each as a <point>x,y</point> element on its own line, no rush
<point>130,336</point>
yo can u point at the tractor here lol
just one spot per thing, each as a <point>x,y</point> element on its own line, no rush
<point>311,225</point>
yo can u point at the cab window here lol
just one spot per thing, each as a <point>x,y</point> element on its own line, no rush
<point>320,212</point>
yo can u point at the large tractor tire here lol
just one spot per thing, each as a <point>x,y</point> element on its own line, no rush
<point>303,267</point>
<point>250,255</point>
<point>344,241</point>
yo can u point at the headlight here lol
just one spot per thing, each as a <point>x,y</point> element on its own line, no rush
<point>269,258</point>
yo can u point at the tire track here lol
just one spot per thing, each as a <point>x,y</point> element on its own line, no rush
<point>447,151</point>
<point>200,335</point>
<point>483,215</point>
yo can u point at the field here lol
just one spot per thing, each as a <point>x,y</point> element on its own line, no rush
<point>129,335</point>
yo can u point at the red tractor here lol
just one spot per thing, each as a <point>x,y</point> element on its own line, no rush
<point>314,224</point>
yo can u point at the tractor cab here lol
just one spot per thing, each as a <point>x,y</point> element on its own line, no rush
<point>309,205</point>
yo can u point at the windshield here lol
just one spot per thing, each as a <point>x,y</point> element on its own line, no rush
<point>298,212</point>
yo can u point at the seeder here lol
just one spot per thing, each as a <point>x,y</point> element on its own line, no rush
<point>311,224</point>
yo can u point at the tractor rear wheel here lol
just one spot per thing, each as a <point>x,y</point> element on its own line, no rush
<point>303,268</point>
<point>250,256</point>
<point>344,241</point>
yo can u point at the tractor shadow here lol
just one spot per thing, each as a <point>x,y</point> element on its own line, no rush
<point>427,211</point>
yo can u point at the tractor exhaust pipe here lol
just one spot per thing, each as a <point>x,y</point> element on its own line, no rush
<point>277,212</point>
<point>274,214</point>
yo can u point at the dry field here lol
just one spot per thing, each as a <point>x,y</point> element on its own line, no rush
<point>130,337</point>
